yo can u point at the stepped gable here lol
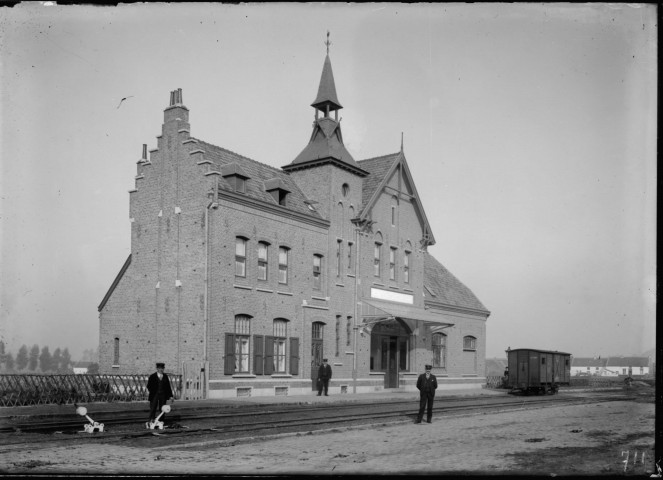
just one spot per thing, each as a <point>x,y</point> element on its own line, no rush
<point>446,287</point>
<point>377,168</point>
<point>258,173</point>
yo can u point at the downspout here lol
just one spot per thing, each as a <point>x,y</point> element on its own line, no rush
<point>356,317</point>
<point>206,320</point>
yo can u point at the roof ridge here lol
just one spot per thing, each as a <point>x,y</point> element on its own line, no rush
<point>276,169</point>
<point>378,157</point>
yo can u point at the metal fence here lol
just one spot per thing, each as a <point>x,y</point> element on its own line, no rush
<point>19,390</point>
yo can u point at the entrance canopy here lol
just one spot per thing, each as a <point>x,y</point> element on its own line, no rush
<point>374,311</point>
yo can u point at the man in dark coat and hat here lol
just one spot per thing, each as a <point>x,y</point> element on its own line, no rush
<point>158,386</point>
<point>324,375</point>
<point>427,384</point>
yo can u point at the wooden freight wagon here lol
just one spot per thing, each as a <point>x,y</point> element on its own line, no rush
<point>537,371</point>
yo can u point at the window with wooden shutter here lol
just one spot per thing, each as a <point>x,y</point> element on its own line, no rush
<point>269,355</point>
<point>229,359</point>
<point>294,356</point>
<point>258,342</point>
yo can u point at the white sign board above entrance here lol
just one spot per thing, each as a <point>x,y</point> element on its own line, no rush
<point>392,296</point>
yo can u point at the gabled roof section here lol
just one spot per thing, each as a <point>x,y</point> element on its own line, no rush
<point>628,362</point>
<point>119,276</point>
<point>380,171</point>
<point>444,288</point>
<point>327,89</point>
<point>257,174</point>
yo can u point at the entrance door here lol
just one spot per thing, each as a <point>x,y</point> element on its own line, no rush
<point>391,374</point>
<point>316,353</point>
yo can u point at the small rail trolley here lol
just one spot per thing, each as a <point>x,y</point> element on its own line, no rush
<point>533,371</point>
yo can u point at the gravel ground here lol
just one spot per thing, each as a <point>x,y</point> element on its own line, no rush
<point>615,438</point>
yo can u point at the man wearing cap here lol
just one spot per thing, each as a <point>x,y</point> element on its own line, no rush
<point>427,384</point>
<point>324,375</point>
<point>158,386</point>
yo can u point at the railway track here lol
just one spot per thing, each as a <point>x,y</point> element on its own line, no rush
<point>251,422</point>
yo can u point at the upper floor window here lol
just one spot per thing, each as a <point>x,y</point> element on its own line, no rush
<point>283,265</point>
<point>469,343</point>
<point>262,260</point>
<point>394,210</point>
<point>392,263</point>
<point>240,257</point>
<point>350,256</point>
<point>317,272</point>
<point>345,189</point>
<point>339,244</point>
<point>376,259</point>
<point>348,331</point>
<point>406,267</point>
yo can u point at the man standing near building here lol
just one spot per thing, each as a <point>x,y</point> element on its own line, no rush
<point>324,375</point>
<point>158,386</point>
<point>427,384</point>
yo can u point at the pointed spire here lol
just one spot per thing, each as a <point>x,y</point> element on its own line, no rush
<point>327,100</point>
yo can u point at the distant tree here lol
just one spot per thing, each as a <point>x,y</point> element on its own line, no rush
<point>55,360</point>
<point>45,360</point>
<point>2,348</point>
<point>22,358</point>
<point>9,362</point>
<point>93,368</point>
<point>34,358</point>
<point>65,361</point>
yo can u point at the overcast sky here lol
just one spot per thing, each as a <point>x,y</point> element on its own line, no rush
<point>529,129</point>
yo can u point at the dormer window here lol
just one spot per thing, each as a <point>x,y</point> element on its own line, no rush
<point>278,190</point>
<point>235,177</point>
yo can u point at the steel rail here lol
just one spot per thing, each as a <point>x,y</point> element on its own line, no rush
<point>319,421</point>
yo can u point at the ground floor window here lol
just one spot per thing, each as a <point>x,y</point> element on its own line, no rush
<point>439,350</point>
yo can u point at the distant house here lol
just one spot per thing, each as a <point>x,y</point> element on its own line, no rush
<point>585,366</point>
<point>632,366</point>
<point>80,368</point>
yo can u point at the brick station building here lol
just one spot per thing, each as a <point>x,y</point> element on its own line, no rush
<point>242,276</point>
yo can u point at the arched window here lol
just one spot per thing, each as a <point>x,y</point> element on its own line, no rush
<point>377,254</point>
<point>116,351</point>
<point>439,350</point>
<point>242,334</point>
<point>280,336</point>
<point>283,265</point>
<point>394,211</point>
<point>317,272</point>
<point>469,343</point>
<point>406,262</point>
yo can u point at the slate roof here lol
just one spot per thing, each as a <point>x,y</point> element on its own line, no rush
<point>377,168</point>
<point>258,173</point>
<point>628,362</point>
<point>446,288</point>
<point>588,362</point>
<point>326,142</point>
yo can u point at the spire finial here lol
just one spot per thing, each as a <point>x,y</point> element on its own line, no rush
<point>327,42</point>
